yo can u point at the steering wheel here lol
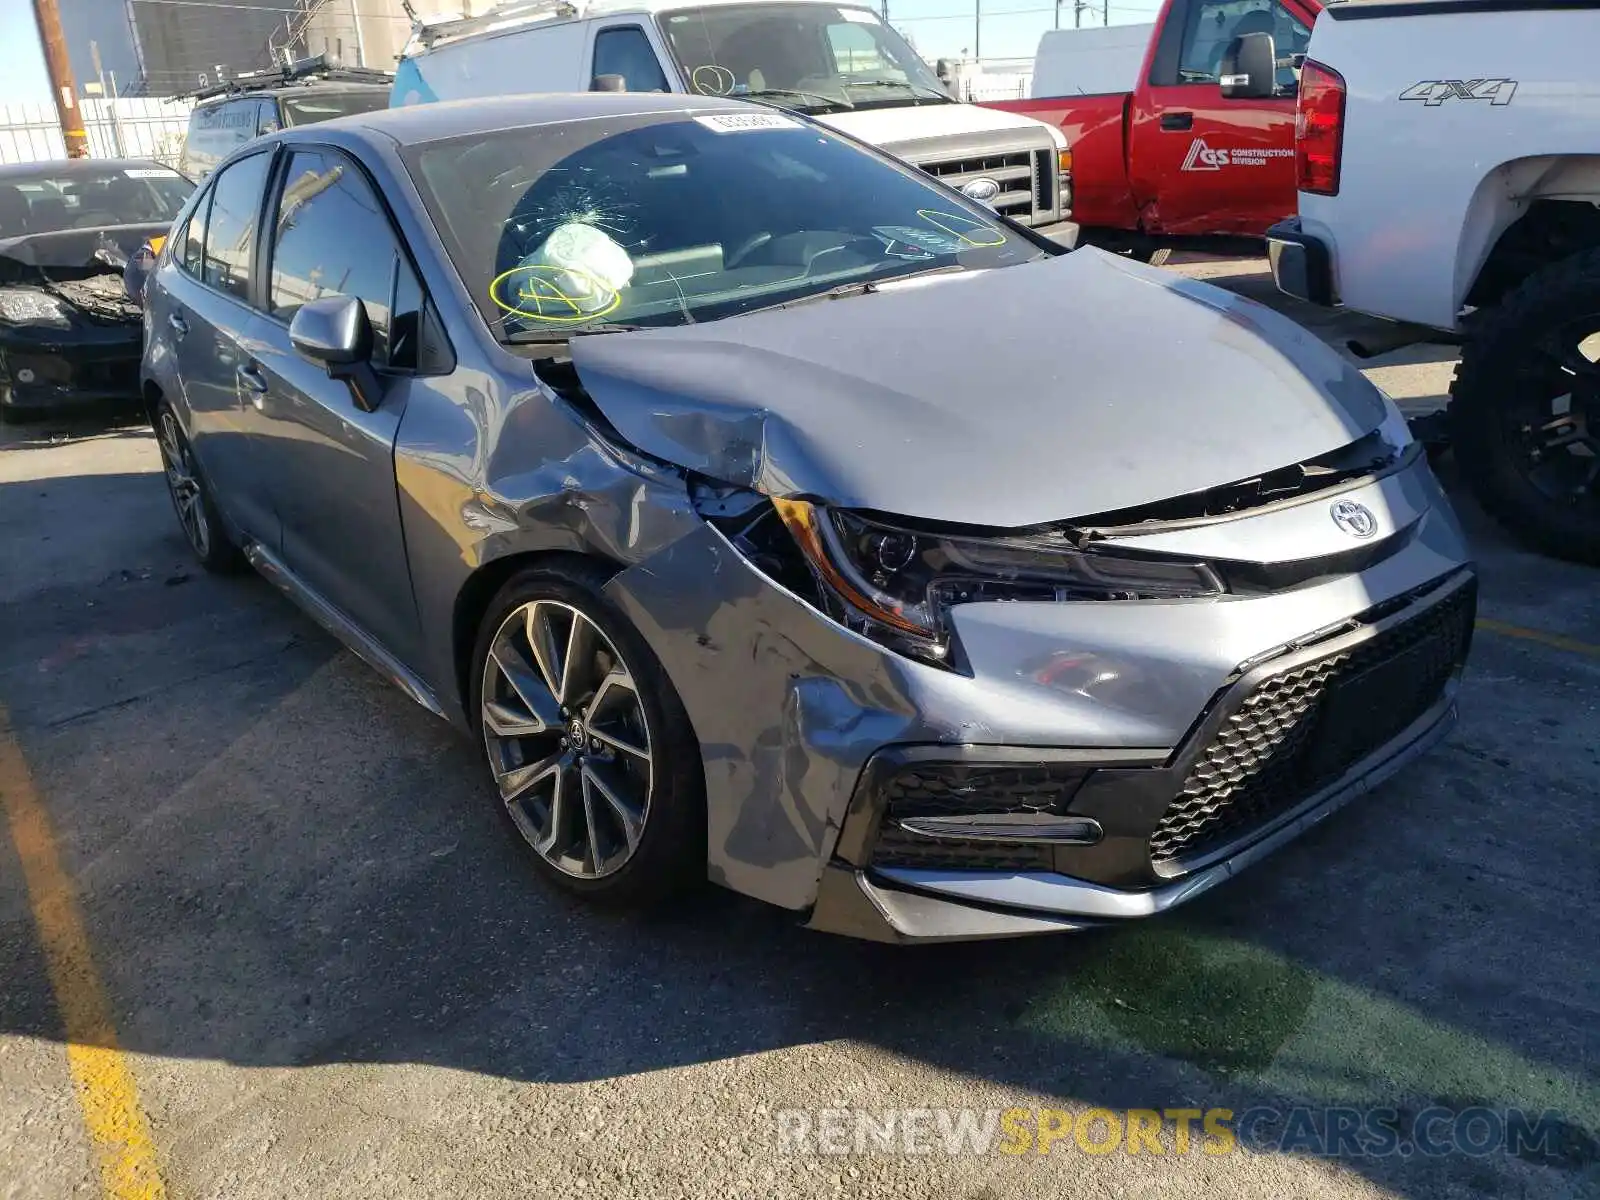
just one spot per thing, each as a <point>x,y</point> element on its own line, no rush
<point>745,248</point>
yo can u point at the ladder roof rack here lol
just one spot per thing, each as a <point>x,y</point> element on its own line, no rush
<point>321,68</point>
<point>426,33</point>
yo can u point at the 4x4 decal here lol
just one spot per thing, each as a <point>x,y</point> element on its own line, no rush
<point>1434,92</point>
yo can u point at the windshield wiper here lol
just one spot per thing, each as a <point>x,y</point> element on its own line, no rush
<point>865,287</point>
<point>830,101</point>
<point>916,89</point>
<point>549,337</point>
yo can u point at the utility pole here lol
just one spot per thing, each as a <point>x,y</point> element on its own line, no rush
<point>977,29</point>
<point>54,42</point>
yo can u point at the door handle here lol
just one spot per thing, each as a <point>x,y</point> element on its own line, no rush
<point>252,379</point>
<point>178,324</point>
<point>1175,122</point>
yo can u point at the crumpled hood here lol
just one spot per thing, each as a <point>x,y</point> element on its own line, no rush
<point>1016,396</point>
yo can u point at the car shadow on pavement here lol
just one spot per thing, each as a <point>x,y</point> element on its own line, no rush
<point>283,863</point>
<point>90,421</point>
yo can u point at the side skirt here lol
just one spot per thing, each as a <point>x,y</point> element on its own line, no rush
<point>342,627</point>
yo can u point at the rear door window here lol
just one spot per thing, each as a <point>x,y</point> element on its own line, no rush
<point>231,227</point>
<point>192,250</point>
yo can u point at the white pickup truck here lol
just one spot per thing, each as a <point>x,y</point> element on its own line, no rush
<point>1448,163</point>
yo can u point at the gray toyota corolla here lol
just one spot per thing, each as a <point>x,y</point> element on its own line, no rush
<point>770,511</point>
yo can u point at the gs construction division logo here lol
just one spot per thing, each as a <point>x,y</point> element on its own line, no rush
<point>1202,157</point>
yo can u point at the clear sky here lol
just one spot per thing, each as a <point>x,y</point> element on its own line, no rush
<point>1010,28</point>
<point>22,75</point>
<point>940,29</point>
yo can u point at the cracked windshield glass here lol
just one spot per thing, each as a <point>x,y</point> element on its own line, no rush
<point>672,221</point>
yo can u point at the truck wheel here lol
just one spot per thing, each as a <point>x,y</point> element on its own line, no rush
<point>1525,409</point>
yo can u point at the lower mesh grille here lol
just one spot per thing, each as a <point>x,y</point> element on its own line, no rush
<point>1301,730</point>
<point>937,789</point>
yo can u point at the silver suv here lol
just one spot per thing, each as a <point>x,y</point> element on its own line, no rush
<point>770,511</point>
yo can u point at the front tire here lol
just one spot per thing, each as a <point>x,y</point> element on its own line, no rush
<point>191,498</point>
<point>1525,410</point>
<point>594,763</point>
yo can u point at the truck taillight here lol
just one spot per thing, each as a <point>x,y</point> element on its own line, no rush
<point>1319,129</point>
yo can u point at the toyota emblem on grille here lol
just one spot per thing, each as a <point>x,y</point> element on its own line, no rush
<point>982,190</point>
<point>1355,519</point>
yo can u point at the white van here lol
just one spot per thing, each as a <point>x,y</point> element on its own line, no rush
<point>836,62</point>
<point>1090,62</point>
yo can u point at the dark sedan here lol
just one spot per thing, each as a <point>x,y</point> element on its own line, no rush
<point>70,333</point>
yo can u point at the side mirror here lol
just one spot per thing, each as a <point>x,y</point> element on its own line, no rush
<point>334,333</point>
<point>1250,68</point>
<point>608,83</point>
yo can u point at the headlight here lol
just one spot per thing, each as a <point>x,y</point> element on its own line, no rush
<point>33,308</point>
<point>898,584</point>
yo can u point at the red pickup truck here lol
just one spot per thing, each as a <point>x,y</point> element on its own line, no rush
<point>1191,158</point>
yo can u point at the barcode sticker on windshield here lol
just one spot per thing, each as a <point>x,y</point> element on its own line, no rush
<point>859,15</point>
<point>150,173</point>
<point>740,122</point>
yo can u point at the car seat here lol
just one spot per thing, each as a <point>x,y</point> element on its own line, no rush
<point>13,211</point>
<point>48,213</point>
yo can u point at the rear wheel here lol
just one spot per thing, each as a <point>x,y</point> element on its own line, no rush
<point>1525,410</point>
<point>202,526</point>
<point>595,764</point>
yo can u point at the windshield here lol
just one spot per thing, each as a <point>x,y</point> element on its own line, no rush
<point>325,106</point>
<point>812,57</point>
<point>661,219</point>
<point>49,202</point>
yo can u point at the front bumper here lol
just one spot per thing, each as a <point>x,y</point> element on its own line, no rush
<point>1127,704</point>
<point>893,896</point>
<point>39,375</point>
<point>1302,266</point>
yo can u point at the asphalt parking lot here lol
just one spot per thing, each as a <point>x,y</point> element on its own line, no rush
<point>263,934</point>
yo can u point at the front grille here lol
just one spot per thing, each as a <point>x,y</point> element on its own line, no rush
<point>931,789</point>
<point>1026,177</point>
<point>1302,729</point>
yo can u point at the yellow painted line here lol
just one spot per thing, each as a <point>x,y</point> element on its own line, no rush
<point>1554,640</point>
<point>117,1127</point>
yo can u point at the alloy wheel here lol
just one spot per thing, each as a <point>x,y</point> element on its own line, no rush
<point>184,484</point>
<point>567,738</point>
<point>1555,428</point>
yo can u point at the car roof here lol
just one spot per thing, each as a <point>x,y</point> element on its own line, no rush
<point>66,167</point>
<point>415,123</point>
